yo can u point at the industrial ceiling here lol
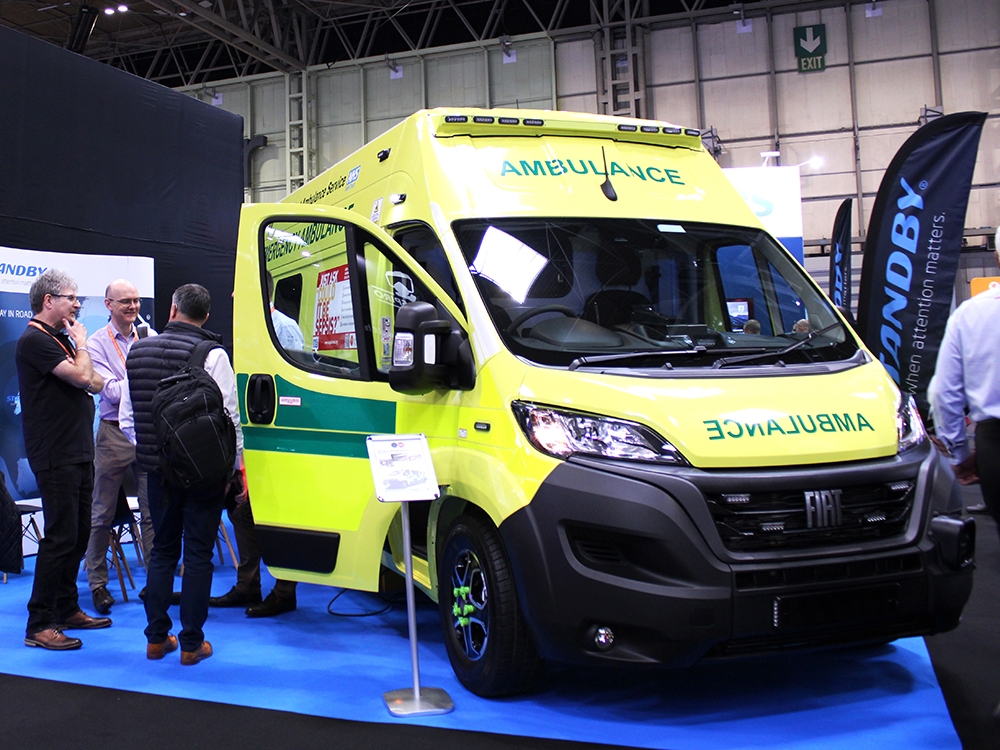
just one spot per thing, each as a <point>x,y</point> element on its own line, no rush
<point>188,42</point>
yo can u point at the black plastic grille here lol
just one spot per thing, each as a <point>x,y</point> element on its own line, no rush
<point>780,520</point>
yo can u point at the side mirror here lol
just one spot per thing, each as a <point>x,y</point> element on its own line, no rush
<point>427,353</point>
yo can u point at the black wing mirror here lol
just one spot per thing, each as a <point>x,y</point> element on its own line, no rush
<point>427,353</point>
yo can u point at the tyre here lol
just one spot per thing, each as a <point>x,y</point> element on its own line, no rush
<point>487,641</point>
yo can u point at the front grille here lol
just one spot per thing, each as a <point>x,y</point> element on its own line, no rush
<point>758,521</point>
<point>826,573</point>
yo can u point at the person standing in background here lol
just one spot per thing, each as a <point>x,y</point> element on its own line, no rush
<point>56,377</point>
<point>113,453</point>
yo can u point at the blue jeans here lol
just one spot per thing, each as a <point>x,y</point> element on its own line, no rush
<point>192,516</point>
<point>66,497</point>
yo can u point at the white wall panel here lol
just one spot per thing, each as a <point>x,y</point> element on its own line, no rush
<point>525,82</point>
<point>877,149</point>
<point>576,76</point>
<point>676,103</point>
<point>746,154</point>
<point>669,56</point>
<point>835,176</point>
<point>962,90</point>
<point>336,142</point>
<point>738,107</point>
<point>967,24</point>
<point>727,53</point>
<point>269,107</point>
<point>809,102</point>
<point>894,92</point>
<point>902,30</point>
<point>337,100</point>
<point>456,81</point>
<point>388,98</point>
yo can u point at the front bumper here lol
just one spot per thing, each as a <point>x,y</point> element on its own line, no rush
<point>639,550</point>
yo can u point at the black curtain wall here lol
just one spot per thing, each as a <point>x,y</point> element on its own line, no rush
<point>97,161</point>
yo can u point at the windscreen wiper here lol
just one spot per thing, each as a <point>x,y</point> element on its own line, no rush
<point>601,359</point>
<point>723,362</point>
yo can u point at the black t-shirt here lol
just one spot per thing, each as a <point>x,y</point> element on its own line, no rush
<point>57,417</point>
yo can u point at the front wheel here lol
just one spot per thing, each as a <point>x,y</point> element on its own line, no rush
<point>487,641</point>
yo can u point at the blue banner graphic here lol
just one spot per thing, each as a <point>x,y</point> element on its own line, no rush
<point>840,257</point>
<point>912,248</point>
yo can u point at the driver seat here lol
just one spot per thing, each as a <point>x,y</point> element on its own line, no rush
<point>611,307</point>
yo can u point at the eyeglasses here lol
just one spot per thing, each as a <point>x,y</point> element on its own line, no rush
<point>127,302</point>
<point>70,297</point>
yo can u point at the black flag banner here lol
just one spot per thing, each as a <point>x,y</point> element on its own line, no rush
<point>912,248</point>
<point>840,257</point>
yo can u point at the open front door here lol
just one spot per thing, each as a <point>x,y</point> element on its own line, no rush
<point>317,293</point>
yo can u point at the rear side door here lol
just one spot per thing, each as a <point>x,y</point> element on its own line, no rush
<point>312,356</point>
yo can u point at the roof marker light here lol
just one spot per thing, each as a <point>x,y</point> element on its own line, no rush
<point>508,120</point>
<point>649,129</point>
<point>628,128</point>
<point>692,131</point>
<point>534,122</point>
<point>456,118</point>
<point>483,119</point>
<point>672,131</point>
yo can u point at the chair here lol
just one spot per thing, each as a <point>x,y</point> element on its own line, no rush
<point>124,523</point>
<point>29,528</point>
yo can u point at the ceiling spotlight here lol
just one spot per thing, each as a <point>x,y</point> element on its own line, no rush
<point>122,8</point>
<point>109,11</point>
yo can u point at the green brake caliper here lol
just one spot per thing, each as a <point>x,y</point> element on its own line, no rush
<point>462,609</point>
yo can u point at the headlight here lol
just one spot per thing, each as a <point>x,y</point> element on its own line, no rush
<point>563,433</point>
<point>909,425</point>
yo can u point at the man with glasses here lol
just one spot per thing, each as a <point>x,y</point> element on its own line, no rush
<point>56,377</point>
<point>113,453</point>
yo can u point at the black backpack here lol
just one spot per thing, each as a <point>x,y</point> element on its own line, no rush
<point>194,434</point>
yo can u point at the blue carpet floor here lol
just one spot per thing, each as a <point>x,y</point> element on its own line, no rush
<point>311,662</point>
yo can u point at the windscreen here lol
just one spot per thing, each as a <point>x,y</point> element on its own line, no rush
<point>647,293</point>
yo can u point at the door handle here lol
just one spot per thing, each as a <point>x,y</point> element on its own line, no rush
<point>260,399</point>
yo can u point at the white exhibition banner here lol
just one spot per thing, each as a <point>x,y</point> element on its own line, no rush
<point>774,194</point>
<point>19,268</point>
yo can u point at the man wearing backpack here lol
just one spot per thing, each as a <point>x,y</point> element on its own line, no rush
<point>185,500</point>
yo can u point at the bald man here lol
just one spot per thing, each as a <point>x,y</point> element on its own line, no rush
<point>113,453</point>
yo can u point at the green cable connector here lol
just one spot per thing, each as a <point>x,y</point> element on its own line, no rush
<point>469,609</point>
<point>461,591</point>
<point>464,621</point>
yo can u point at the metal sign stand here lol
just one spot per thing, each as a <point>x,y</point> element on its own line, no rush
<point>393,484</point>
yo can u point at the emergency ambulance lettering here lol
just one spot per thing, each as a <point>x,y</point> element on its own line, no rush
<point>675,177</point>
<point>846,425</point>
<point>537,169</point>
<point>559,165</point>
<point>616,169</point>
<point>819,422</point>
<point>508,167</point>
<point>650,171</point>
<point>582,164</point>
<point>637,172</point>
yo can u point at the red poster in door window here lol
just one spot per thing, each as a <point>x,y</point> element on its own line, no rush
<point>334,312</point>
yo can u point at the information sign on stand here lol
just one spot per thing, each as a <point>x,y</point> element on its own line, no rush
<point>403,472</point>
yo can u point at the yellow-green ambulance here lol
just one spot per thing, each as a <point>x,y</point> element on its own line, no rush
<point>631,471</point>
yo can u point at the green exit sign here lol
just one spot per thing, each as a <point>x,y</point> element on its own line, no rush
<point>810,47</point>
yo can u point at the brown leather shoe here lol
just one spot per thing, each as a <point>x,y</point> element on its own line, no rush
<point>159,650</point>
<point>52,639</point>
<point>82,621</point>
<point>193,657</point>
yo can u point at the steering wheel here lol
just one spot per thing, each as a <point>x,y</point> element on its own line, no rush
<point>535,311</point>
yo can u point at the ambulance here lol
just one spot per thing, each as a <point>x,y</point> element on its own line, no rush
<point>630,473</point>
